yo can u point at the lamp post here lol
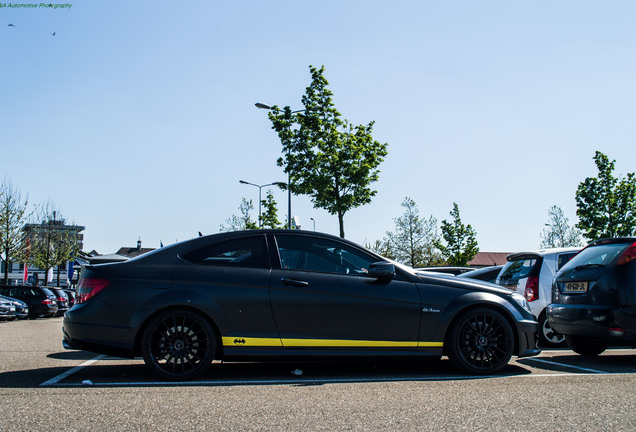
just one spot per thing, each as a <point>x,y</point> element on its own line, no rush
<point>289,214</point>
<point>259,196</point>
<point>314,221</point>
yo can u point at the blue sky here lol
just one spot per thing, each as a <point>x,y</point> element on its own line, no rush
<point>137,119</point>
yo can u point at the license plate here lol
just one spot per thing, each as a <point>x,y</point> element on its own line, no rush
<point>575,287</point>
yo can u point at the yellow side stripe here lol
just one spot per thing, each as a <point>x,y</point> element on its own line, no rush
<point>235,341</point>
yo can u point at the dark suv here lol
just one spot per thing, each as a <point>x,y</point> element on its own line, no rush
<point>41,301</point>
<point>594,297</point>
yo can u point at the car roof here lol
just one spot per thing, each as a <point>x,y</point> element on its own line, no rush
<point>540,253</point>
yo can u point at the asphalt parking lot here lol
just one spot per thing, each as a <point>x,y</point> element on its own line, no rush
<point>44,386</point>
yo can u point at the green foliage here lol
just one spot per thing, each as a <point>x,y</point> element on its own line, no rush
<point>461,243</point>
<point>559,233</point>
<point>325,156</point>
<point>606,206</point>
<point>13,216</point>
<point>269,218</point>
<point>414,239</point>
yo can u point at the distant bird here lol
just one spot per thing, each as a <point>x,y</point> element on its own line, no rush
<point>11,25</point>
<point>53,34</point>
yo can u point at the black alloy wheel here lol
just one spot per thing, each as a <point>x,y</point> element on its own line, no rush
<point>178,344</point>
<point>548,338</point>
<point>480,341</point>
<point>586,346</point>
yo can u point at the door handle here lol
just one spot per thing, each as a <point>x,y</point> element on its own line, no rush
<point>294,282</point>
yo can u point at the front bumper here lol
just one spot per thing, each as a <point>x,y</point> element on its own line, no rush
<point>528,337</point>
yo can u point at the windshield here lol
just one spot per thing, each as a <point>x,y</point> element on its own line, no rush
<point>596,256</point>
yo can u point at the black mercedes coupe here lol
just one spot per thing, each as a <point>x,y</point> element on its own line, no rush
<point>280,294</point>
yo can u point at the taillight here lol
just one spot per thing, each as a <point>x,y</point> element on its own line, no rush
<point>628,255</point>
<point>532,289</point>
<point>47,301</point>
<point>89,288</point>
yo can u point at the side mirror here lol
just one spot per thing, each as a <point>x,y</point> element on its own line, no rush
<point>382,270</point>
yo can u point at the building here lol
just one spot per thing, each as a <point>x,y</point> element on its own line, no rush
<point>487,259</point>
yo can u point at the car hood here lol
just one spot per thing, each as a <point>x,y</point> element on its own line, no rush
<point>461,283</point>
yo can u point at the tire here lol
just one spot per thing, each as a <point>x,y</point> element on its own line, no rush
<point>548,338</point>
<point>480,341</point>
<point>178,344</point>
<point>586,346</point>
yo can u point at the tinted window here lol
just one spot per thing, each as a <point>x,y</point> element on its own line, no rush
<point>321,255</point>
<point>597,256</point>
<point>564,258</point>
<point>243,252</point>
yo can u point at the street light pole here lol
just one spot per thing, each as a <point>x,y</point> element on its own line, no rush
<point>259,196</point>
<point>289,214</point>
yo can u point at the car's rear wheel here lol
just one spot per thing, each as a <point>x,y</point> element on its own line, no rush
<point>586,346</point>
<point>480,341</point>
<point>548,338</point>
<point>178,344</point>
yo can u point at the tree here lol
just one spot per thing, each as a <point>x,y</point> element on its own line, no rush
<point>461,244</point>
<point>325,156</point>
<point>559,233</point>
<point>242,222</point>
<point>381,247</point>
<point>50,241</point>
<point>13,216</point>
<point>414,239</point>
<point>606,206</point>
<point>269,218</point>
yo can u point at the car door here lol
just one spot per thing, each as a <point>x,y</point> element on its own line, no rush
<point>323,298</point>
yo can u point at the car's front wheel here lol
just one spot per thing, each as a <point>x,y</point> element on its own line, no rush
<point>548,338</point>
<point>586,346</point>
<point>480,341</point>
<point>178,344</point>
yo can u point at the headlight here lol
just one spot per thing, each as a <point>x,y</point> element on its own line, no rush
<point>521,301</point>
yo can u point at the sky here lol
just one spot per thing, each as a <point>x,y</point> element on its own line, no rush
<point>137,119</point>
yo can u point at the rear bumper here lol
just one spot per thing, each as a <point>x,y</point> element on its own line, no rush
<point>593,321</point>
<point>101,339</point>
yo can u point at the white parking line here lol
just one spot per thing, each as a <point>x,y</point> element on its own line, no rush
<point>69,372</point>
<point>566,365</point>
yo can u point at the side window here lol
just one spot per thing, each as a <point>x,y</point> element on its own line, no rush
<point>564,258</point>
<point>244,252</point>
<point>321,255</point>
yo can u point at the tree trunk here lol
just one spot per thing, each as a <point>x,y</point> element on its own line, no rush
<point>341,223</point>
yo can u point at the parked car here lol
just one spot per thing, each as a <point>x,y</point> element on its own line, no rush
<point>488,274</point>
<point>531,275</point>
<point>71,296</point>
<point>21,308</point>
<point>594,297</point>
<point>276,294</point>
<point>7,310</point>
<point>61,297</point>
<point>40,300</point>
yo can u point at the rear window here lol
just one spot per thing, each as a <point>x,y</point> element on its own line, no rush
<point>596,256</point>
<point>518,269</point>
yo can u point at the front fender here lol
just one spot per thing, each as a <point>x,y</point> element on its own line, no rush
<point>518,321</point>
